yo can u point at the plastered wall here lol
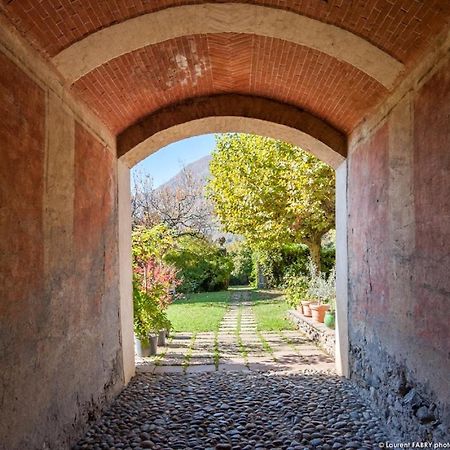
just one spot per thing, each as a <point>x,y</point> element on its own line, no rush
<point>60,337</point>
<point>399,257</point>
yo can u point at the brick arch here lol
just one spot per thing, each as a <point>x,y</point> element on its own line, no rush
<point>119,39</point>
<point>134,85</point>
<point>231,113</point>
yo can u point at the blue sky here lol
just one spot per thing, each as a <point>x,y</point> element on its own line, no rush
<point>168,161</point>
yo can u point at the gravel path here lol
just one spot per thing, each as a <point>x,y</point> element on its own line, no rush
<point>235,410</point>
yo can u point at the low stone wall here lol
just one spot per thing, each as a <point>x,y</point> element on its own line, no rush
<point>317,332</point>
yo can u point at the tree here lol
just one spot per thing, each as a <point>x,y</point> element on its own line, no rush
<point>202,265</point>
<point>181,206</point>
<point>271,192</point>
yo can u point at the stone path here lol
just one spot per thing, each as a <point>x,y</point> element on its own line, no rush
<point>237,389</point>
<point>238,411</point>
<point>236,346</point>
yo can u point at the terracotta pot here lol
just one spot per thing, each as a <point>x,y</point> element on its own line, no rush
<point>318,312</point>
<point>329,319</point>
<point>306,309</point>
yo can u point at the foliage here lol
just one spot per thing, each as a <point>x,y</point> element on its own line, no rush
<point>154,281</point>
<point>202,265</point>
<point>296,288</point>
<point>148,315</point>
<point>151,243</point>
<point>157,280</point>
<point>242,257</point>
<point>321,288</point>
<point>314,286</point>
<point>271,192</point>
<point>288,260</point>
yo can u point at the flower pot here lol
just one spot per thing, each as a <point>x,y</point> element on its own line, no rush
<point>153,340</point>
<point>162,338</point>
<point>306,309</point>
<point>318,312</point>
<point>141,347</point>
<point>329,319</point>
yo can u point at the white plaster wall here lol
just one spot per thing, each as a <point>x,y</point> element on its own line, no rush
<point>341,272</point>
<point>125,271</point>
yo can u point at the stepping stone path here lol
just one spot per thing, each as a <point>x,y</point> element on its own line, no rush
<point>237,346</point>
<point>237,389</point>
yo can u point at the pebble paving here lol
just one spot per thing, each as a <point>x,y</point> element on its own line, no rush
<point>234,389</point>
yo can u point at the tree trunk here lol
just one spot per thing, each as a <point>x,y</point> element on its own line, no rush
<point>314,251</point>
<point>260,278</point>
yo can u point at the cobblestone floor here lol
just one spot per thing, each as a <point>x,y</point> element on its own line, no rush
<point>237,346</point>
<point>237,410</point>
<point>237,389</point>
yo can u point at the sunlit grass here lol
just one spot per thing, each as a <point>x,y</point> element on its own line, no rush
<point>199,312</point>
<point>270,311</point>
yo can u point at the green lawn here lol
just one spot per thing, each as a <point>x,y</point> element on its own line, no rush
<point>270,311</point>
<point>199,312</point>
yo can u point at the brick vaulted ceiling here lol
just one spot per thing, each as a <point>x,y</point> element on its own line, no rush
<point>126,88</point>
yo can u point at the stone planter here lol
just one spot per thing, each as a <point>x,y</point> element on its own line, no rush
<point>330,319</point>
<point>162,338</point>
<point>306,309</point>
<point>318,312</point>
<point>141,347</point>
<point>153,341</point>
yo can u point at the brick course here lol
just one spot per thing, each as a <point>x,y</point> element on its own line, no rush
<point>129,87</point>
<point>402,29</point>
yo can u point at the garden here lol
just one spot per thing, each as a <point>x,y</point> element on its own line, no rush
<point>277,204</point>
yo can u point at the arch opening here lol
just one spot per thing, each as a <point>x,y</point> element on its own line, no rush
<point>231,113</point>
<point>201,116</point>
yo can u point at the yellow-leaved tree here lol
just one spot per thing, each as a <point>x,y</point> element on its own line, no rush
<point>271,192</point>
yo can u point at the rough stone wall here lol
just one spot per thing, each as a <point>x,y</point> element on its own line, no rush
<point>317,332</point>
<point>399,255</point>
<point>60,354</point>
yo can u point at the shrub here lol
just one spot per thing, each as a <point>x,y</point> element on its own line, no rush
<point>202,265</point>
<point>241,256</point>
<point>296,287</point>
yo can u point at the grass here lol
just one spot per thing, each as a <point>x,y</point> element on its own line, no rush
<point>270,311</point>
<point>199,312</point>
<point>266,346</point>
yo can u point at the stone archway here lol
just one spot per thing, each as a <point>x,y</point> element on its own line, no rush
<point>222,114</point>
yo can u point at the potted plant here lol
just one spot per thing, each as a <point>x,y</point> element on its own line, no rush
<point>330,318</point>
<point>306,307</point>
<point>141,323</point>
<point>295,289</point>
<point>161,324</point>
<point>310,294</point>
<point>318,290</point>
<point>318,311</point>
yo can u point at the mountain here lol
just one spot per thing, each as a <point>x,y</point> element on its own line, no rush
<point>199,168</point>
